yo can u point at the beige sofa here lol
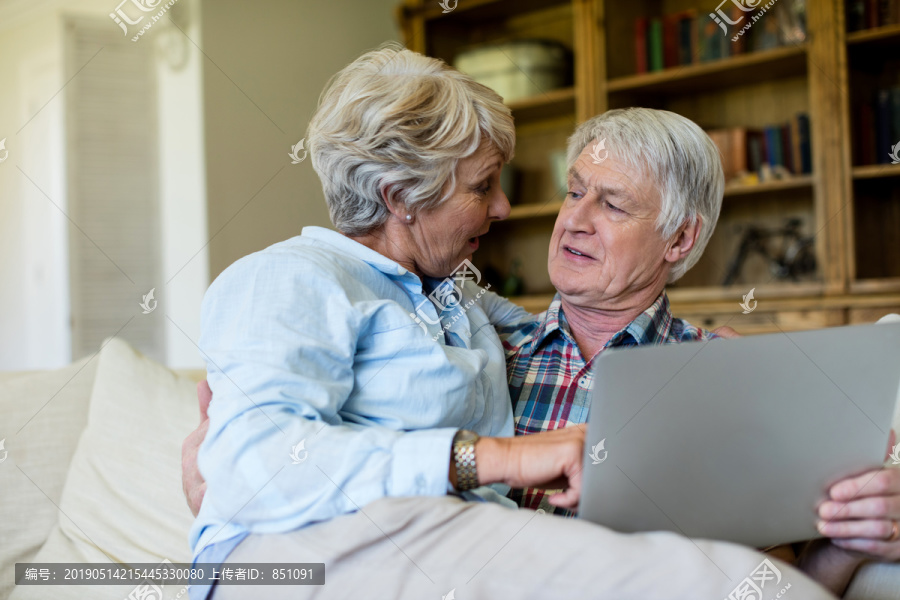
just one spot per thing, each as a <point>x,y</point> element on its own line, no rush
<point>93,472</point>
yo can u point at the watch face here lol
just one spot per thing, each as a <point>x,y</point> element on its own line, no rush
<point>464,435</point>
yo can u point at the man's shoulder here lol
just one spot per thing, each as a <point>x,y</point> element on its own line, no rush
<point>517,335</point>
<point>683,331</point>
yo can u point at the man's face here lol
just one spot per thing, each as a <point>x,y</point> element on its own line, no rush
<point>605,245</point>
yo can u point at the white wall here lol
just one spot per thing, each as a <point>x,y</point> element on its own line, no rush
<point>34,234</point>
<point>34,313</point>
<point>228,119</point>
<point>273,59</point>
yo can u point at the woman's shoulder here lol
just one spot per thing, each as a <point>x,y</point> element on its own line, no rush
<point>298,260</point>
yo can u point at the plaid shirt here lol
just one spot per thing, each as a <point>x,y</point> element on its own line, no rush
<point>550,382</point>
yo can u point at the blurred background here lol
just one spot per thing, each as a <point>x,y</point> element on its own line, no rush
<point>153,164</point>
<point>149,144</point>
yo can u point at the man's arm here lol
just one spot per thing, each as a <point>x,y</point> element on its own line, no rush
<point>191,480</point>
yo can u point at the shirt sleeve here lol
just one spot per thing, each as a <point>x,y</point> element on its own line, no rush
<point>500,311</point>
<point>279,337</point>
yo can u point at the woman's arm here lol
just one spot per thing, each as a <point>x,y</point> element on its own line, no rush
<point>280,337</point>
<point>500,311</point>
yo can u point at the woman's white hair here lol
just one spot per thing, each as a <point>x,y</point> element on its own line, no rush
<point>676,154</point>
<point>397,123</point>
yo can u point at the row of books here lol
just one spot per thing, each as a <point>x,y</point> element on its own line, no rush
<point>689,36</point>
<point>783,148</point>
<point>878,127</point>
<point>866,14</point>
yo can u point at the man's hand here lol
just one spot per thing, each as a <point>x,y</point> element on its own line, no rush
<point>550,460</point>
<point>191,480</point>
<point>862,513</point>
<point>726,332</point>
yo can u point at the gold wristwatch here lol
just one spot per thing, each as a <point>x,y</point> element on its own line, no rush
<point>464,459</point>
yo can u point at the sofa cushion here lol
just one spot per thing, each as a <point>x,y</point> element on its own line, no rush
<point>122,499</point>
<point>43,414</point>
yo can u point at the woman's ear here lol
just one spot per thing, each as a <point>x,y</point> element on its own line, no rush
<point>684,240</point>
<point>392,195</point>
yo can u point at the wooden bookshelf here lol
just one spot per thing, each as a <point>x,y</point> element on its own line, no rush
<point>777,62</point>
<point>548,104</point>
<point>876,171</point>
<point>797,182</point>
<point>837,202</point>
<point>877,34</point>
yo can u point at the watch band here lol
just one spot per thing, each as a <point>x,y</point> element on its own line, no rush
<point>464,460</point>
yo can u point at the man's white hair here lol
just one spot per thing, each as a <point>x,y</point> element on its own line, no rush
<point>397,123</point>
<point>676,154</point>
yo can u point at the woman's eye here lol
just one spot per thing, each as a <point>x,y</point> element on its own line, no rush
<point>614,208</point>
<point>483,189</point>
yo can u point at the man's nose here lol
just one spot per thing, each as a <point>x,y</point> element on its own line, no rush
<point>578,218</point>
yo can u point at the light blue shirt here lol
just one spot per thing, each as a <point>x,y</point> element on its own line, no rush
<point>328,394</point>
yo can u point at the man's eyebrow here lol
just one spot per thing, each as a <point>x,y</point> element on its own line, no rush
<point>618,192</point>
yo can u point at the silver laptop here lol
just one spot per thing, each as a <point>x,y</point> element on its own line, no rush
<point>737,439</point>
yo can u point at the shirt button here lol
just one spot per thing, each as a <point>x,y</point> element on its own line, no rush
<point>583,382</point>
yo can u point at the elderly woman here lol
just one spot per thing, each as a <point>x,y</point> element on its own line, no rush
<point>342,433</point>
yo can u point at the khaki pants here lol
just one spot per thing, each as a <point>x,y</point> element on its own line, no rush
<point>422,548</point>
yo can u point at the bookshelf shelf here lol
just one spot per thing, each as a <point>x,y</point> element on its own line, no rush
<point>794,183</point>
<point>736,70</point>
<point>876,34</point>
<point>548,104</point>
<point>870,286</point>
<point>876,171</point>
<point>478,8</point>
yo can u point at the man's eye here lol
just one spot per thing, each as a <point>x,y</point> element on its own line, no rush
<point>614,208</point>
<point>574,195</point>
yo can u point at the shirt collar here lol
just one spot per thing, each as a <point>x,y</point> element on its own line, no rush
<point>650,327</point>
<point>357,250</point>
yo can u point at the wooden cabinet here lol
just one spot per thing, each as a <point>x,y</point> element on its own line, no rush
<point>851,210</point>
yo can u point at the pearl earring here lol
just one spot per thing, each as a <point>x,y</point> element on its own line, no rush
<point>408,218</point>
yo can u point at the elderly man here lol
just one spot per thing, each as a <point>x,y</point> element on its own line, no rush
<point>632,222</point>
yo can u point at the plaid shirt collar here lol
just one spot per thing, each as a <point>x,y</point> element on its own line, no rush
<point>650,327</point>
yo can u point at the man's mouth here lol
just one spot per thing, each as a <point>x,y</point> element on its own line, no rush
<point>575,252</point>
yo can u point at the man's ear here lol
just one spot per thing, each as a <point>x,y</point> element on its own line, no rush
<point>684,240</point>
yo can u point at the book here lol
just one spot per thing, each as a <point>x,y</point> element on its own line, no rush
<point>856,15</point>
<point>773,146</point>
<point>686,37</point>
<point>796,158</point>
<point>640,45</point>
<point>865,149</point>
<point>895,115</point>
<point>871,13</point>
<point>803,140</point>
<point>670,41</point>
<point>787,155</point>
<point>655,45</point>
<point>756,150</point>
<point>739,149</point>
<point>882,125</point>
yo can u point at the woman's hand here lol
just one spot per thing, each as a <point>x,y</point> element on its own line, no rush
<point>191,480</point>
<point>862,513</point>
<point>550,460</point>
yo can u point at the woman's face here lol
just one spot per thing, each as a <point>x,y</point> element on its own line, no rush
<point>447,235</point>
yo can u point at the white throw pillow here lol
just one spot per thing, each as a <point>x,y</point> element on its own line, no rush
<point>122,499</point>
<point>42,415</point>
